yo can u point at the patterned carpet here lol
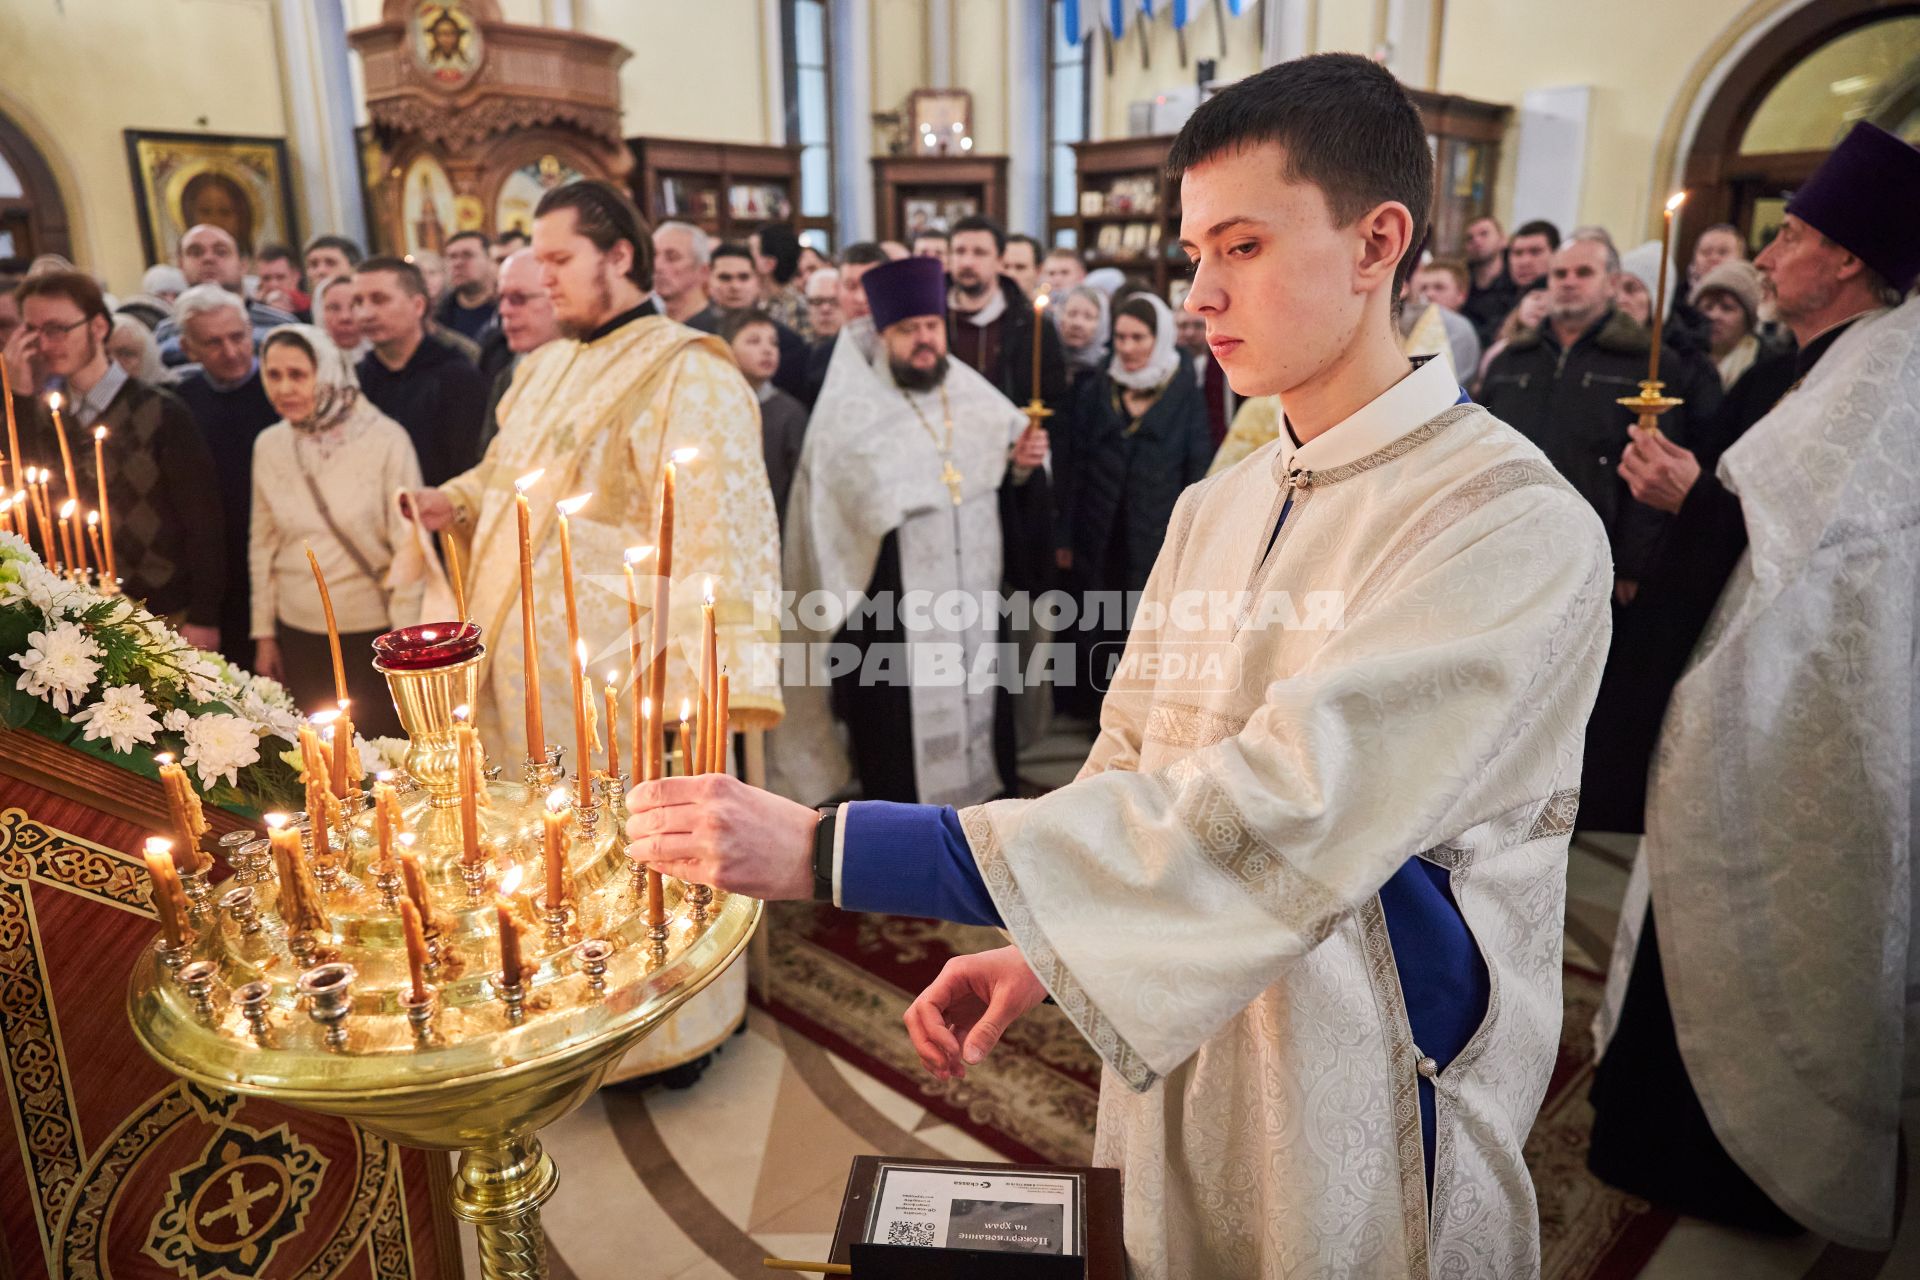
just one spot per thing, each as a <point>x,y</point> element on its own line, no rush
<point>844,981</point>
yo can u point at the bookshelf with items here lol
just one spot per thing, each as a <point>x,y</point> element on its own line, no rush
<point>1129,213</point>
<point>724,188</point>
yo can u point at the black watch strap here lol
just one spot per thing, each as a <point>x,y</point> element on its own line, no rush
<point>823,836</point>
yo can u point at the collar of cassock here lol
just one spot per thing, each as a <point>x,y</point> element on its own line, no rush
<point>1418,398</point>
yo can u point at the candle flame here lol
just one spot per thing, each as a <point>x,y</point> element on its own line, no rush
<point>557,801</point>
<point>159,844</point>
<point>635,555</point>
<point>709,590</point>
<point>1677,199</point>
<point>54,401</point>
<point>528,480</point>
<point>99,433</point>
<point>1041,299</point>
<point>686,710</point>
<point>580,651</point>
<point>165,757</point>
<point>611,677</point>
<point>510,882</point>
<point>462,711</point>
<point>275,821</point>
<point>384,775</point>
<point>344,704</point>
<point>93,519</point>
<point>684,456</point>
<point>646,708</point>
<point>574,504</point>
<point>321,719</point>
<point>407,838</point>
<point>66,508</point>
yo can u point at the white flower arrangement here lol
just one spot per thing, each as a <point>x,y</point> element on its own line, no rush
<point>105,675</point>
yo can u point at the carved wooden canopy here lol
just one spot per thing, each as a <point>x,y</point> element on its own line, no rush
<point>452,73</point>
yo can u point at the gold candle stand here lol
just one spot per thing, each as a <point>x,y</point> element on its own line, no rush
<point>1650,404</point>
<point>458,1071</point>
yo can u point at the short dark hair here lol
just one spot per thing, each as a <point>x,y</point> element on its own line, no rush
<point>862,253</point>
<point>512,233</point>
<point>929,233</point>
<point>77,287</point>
<point>734,323</point>
<point>779,242</point>
<point>458,236</point>
<point>275,253</point>
<point>981,222</point>
<point>732,249</point>
<point>409,276</point>
<point>291,338</point>
<point>1021,237</point>
<point>1538,227</point>
<point>353,252</point>
<point>604,215</point>
<point>1453,267</point>
<point>1347,126</point>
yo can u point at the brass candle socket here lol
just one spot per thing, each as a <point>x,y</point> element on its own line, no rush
<point>594,954</point>
<point>198,886</point>
<point>238,902</point>
<point>514,996</point>
<point>198,978</point>
<point>174,957</point>
<point>256,1006</point>
<point>420,1013</point>
<point>1650,403</point>
<point>328,990</point>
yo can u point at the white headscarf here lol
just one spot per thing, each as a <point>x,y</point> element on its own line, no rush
<point>336,388</point>
<point>1164,360</point>
<point>1087,357</point>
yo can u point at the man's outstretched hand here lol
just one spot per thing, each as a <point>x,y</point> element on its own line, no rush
<point>960,1017</point>
<point>717,830</point>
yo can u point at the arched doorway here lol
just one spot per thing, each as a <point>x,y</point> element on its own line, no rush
<point>1781,108</point>
<point>33,217</point>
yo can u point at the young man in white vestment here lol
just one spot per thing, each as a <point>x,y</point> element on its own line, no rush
<point>1306,898</point>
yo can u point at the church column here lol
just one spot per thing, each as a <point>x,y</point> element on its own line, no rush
<point>1027,143</point>
<point>852,120</point>
<point>317,85</point>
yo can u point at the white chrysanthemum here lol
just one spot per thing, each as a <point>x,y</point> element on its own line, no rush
<point>59,665</point>
<point>391,752</point>
<point>177,720</point>
<point>123,716</point>
<point>203,679</point>
<point>220,746</point>
<point>53,595</point>
<point>277,720</point>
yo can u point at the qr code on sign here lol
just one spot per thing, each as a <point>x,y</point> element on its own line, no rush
<point>910,1233</point>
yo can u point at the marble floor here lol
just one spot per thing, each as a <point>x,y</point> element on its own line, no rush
<point>701,1184</point>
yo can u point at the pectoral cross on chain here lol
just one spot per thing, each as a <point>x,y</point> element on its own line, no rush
<point>951,478</point>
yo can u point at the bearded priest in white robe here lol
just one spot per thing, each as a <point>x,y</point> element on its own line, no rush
<point>1306,896</point>
<point>897,496</point>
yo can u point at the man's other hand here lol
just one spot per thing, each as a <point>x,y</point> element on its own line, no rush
<point>716,830</point>
<point>960,1017</point>
<point>430,507</point>
<point>1659,472</point>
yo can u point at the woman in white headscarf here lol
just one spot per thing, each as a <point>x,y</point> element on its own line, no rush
<point>130,345</point>
<point>1139,438</point>
<point>324,477</point>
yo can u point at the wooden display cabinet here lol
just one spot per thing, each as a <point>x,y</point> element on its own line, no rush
<point>724,188</point>
<point>911,193</point>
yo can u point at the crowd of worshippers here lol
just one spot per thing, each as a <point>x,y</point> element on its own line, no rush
<point>308,387</point>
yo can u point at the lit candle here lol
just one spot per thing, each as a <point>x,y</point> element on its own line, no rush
<point>613,727</point>
<point>299,897</point>
<point>313,757</point>
<point>183,807</point>
<point>415,880</point>
<point>42,507</point>
<point>333,631</point>
<point>66,534</point>
<point>168,898</point>
<point>320,815</point>
<point>554,823</point>
<point>469,788</point>
<point>709,682</point>
<point>583,763</point>
<point>454,577</point>
<point>416,948</point>
<point>662,586</point>
<point>634,555</point>
<point>93,539</point>
<point>1658,317</point>
<point>529,639</point>
<point>510,965</point>
<point>54,402</point>
<point>106,512</point>
<point>1040,300</point>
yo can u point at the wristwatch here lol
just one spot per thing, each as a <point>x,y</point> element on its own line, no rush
<point>823,832</point>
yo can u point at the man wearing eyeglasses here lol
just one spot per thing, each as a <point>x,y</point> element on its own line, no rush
<point>168,543</point>
<point>526,322</point>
